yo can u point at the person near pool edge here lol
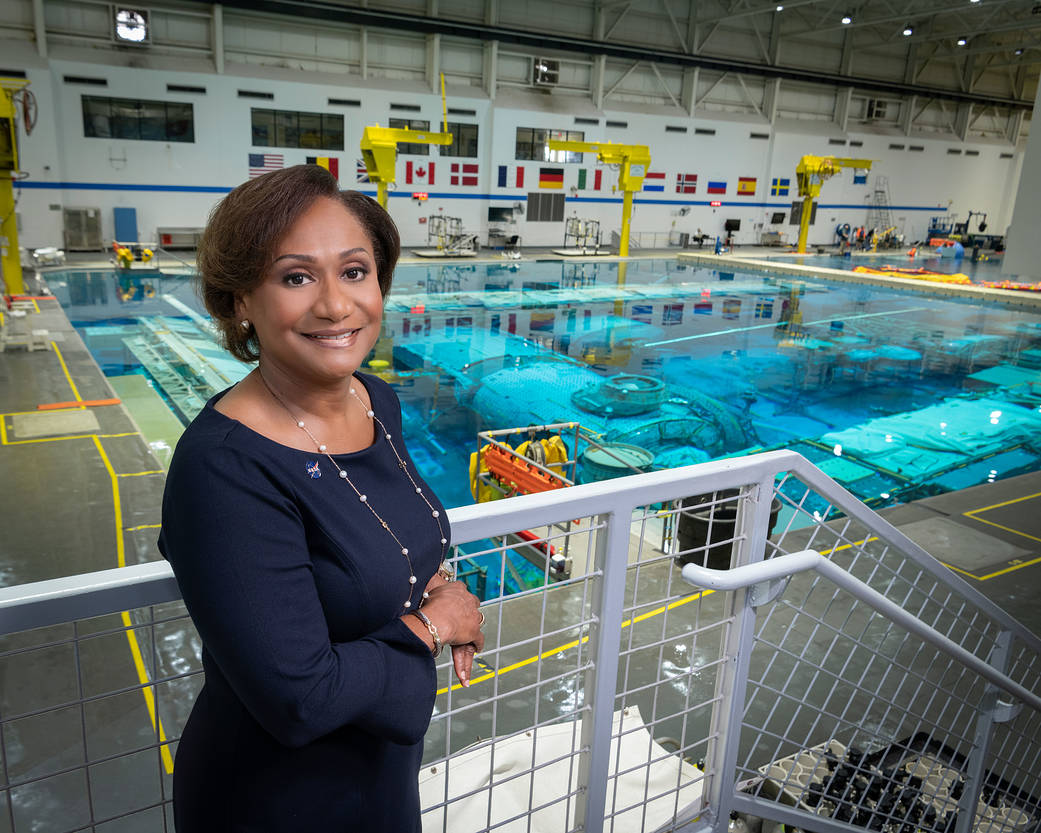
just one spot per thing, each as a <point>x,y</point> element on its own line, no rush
<point>309,552</point>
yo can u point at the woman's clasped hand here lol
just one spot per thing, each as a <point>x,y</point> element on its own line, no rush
<point>454,610</point>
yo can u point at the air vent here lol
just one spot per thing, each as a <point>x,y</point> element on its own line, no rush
<point>184,88</point>
<point>954,151</point>
<point>581,120</point>
<point>896,147</point>
<point>1004,156</point>
<point>255,94</point>
<point>972,153</point>
<point>83,79</point>
<point>12,73</point>
<point>545,72</point>
<point>406,108</point>
<point>837,142</point>
<point>876,108</point>
<point>704,131</point>
<point>675,128</point>
<point>916,148</point>
<point>610,123</point>
<point>758,135</point>
<point>344,102</point>
<point>856,143</point>
<point>458,111</point>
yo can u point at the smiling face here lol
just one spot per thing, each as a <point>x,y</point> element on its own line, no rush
<point>318,310</point>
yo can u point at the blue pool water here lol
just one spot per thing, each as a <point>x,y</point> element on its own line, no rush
<point>893,392</point>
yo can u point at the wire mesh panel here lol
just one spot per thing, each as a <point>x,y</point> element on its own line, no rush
<point>852,717</point>
<point>611,694</point>
<point>88,716</point>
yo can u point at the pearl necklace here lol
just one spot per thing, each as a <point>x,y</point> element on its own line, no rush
<point>363,498</point>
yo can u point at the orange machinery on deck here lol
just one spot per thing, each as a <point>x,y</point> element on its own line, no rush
<point>517,474</point>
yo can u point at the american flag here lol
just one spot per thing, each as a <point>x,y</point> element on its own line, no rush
<point>262,163</point>
<point>361,173</point>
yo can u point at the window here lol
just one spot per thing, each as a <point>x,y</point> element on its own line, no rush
<point>464,140</point>
<point>545,208</point>
<point>533,143</point>
<point>132,118</point>
<point>412,124</point>
<point>290,129</point>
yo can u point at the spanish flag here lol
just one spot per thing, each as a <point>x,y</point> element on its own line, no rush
<point>746,185</point>
<point>330,163</point>
<point>551,178</point>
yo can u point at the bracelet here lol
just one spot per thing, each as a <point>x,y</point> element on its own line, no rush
<point>438,644</point>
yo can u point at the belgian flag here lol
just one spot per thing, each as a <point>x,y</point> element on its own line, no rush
<point>330,163</point>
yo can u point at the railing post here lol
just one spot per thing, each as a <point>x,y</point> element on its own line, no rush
<point>611,560</point>
<point>985,722</point>
<point>750,544</point>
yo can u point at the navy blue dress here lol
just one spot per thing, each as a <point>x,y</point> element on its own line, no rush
<point>317,695</point>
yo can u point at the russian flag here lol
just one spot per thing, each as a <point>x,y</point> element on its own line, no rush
<point>717,187</point>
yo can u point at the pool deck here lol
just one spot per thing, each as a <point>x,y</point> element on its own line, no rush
<point>747,262</point>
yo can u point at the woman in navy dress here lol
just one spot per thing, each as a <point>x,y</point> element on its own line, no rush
<point>308,550</point>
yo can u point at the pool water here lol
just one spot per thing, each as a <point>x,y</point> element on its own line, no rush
<point>895,393</point>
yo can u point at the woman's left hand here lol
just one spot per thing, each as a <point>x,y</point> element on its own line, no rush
<point>462,655</point>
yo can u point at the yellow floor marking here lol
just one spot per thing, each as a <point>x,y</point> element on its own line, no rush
<point>68,376</point>
<point>139,473</point>
<point>974,515</point>
<point>972,512</point>
<point>5,441</point>
<point>135,650</point>
<point>629,622</point>
<point>143,526</point>
<point>3,431</point>
<point>576,642</point>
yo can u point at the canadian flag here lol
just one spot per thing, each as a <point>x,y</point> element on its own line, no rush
<point>419,173</point>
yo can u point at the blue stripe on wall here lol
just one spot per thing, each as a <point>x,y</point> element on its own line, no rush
<point>447,195</point>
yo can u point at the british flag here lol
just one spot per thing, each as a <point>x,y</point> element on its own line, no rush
<point>361,172</point>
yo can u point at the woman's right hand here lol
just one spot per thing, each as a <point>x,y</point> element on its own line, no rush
<point>454,611</point>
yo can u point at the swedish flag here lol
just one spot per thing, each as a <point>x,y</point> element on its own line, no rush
<point>779,187</point>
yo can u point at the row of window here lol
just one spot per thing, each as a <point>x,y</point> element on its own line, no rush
<point>167,121</point>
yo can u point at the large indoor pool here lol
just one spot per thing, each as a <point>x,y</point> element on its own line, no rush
<point>896,394</point>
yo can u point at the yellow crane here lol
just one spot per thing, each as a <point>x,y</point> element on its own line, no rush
<point>632,161</point>
<point>811,173</point>
<point>379,148</point>
<point>11,265</point>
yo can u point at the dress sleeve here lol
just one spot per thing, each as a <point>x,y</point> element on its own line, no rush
<point>237,546</point>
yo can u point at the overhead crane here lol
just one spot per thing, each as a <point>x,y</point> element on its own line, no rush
<point>811,172</point>
<point>379,148</point>
<point>10,262</point>
<point>632,161</point>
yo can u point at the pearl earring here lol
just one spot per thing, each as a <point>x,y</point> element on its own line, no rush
<point>245,323</point>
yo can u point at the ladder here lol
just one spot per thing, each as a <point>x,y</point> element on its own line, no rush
<point>880,214</point>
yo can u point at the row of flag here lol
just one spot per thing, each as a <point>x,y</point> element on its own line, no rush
<point>465,174</point>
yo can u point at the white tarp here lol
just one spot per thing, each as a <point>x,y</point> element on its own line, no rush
<point>509,787</point>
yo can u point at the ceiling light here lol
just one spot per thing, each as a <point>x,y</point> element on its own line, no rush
<point>780,8</point>
<point>1019,51</point>
<point>130,25</point>
<point>974,1</point>
<point>962,41</point>
<point>847,19</point>
<point>908,30</point>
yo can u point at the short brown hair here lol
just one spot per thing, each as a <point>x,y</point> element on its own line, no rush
<point>239,242</point>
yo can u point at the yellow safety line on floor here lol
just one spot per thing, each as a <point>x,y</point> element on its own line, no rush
<point>143,526</point>
<point>135,650</point>
<point>65,370</point>
<point>974,513</point>
<point>66,437</point>
<point>628,622</point>
<point>139,473</point>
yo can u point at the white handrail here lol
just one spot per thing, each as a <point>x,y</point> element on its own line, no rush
<point>785,566</point>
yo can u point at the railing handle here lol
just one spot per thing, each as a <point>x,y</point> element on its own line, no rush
<point>784,566</point>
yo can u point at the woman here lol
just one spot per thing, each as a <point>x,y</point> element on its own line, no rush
<point>307,548</point>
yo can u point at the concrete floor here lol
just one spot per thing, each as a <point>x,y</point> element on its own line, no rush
<point>84,491</point>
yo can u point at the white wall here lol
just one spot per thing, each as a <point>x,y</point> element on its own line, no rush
<point>1024,243</point>
<point>68,169</point>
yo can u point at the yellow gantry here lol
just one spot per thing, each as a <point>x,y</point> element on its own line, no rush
<point>11,268</point>
<point>632,161</point>
<point>379,148</point>
<point>811,173</point>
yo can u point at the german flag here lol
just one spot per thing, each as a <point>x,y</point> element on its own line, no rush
<point>330,163</point>
<point>551,178</point>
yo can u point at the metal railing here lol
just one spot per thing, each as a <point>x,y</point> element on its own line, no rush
<point>836,675</point>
